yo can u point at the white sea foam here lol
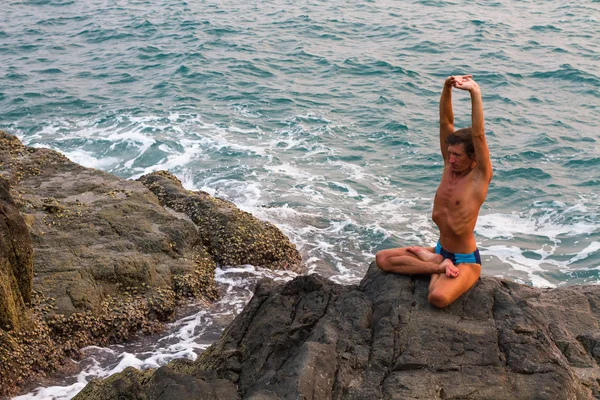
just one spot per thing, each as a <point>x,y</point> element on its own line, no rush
<point>313,194</point>
<point>377,229</point>
<point>353,171</point>
<point>351,192</point>
<point>245,111</point>
<point>421,231</point>
<point>247,196</point>
<point>345,275</point>
<point>182,339</point>
<point>592,248</point>
<point>217,139</point>
<point>139,134</point>
<point>318,149</point>
<point>549,223</point>
<point>506,226</point>
<point>313,117</point>
<point>192,150</point>
<point>364,201</point>
<point>68,391</point>
<point>291,171</point>
<point>222,273</point>
<point>286,143</point>
<point>90,160</point>
<point>513,256</point>
<point>391,212</point>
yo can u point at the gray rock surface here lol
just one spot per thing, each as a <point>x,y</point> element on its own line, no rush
<point>313,339</point>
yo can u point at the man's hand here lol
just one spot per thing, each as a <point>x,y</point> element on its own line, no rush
<point>464,82</point>
<point>453,81</point>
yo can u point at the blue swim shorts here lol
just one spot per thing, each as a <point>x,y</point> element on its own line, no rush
<point>458,258</point>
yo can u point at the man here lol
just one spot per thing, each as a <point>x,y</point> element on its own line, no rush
<point>454,264</point>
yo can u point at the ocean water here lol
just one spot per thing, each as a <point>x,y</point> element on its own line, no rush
<point>321,117</point>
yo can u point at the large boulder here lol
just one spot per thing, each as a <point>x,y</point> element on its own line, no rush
<point>232,236</point>
<point>109,260</point>
<point>16,263</point>
<point>314,339</point>
<point>95,235</point>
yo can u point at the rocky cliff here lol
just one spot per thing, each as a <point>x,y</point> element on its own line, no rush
<point>89,258</point>
<point>313,339</point>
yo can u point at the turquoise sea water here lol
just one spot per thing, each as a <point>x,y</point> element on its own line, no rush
<point>321,117</point>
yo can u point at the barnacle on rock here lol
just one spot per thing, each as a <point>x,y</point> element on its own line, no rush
<point>51,338</point>
<point>145,260</point>
<point>232,236</point>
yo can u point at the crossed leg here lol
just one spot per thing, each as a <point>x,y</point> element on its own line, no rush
<point>444,290</point>
<point>448,281</point>
<point>406,261</point>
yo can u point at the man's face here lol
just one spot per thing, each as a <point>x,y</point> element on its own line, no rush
<point>458,158</point>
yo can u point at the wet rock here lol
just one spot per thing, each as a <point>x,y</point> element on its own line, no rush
<point>232,236</point>
<point>164,384</point>
<point>311,338</point>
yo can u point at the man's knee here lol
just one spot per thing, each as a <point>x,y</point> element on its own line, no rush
<point>381,260</point>
<point>438,298</point>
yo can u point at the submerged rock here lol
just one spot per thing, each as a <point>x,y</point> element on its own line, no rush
<point>314,339</point>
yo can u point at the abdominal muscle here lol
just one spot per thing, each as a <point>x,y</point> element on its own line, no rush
<point>455,211</point>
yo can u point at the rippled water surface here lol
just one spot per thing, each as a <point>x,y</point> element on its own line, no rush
<point>321,117</point>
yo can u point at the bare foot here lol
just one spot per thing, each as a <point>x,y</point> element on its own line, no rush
<point>424,254</point>
<point>451,270</point>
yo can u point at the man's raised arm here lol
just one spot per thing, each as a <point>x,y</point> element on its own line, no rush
<point>482,153</point>
<point>446,115</point>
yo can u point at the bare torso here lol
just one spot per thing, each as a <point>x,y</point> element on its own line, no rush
<point>456,207</point>
<point>462,191</point>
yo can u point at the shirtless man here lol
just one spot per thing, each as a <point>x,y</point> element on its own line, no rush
<point>454,264</point>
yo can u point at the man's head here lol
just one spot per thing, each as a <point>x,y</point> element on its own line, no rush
<point>464,136</point>
<point>461,152</point>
